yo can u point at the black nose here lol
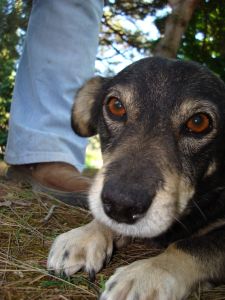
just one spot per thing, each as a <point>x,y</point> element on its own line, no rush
<point>125,206</point>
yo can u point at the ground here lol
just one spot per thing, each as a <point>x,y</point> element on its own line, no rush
<point>28,224</point>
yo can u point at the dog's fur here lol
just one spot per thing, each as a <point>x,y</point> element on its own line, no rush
<point>159,180</point>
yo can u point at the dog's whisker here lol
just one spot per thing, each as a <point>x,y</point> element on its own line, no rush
<point>181,223</point>
<point>199,209</point>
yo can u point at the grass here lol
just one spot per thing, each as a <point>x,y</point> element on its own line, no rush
<point>25,238</point>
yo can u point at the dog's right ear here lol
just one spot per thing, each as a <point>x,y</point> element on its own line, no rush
<point>87,107</point>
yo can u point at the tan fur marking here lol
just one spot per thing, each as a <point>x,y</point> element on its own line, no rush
<point>189,107</point>
<point>125,291</point>
<point>154,295</point>
<point>83,104</point>
<point>211,169</point>
<point>210,227</point>
<point>193,269</point>
<point>183,263</point>
<point>170,275</point>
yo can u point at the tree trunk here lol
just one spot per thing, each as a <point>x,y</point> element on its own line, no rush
<point>176,24</point>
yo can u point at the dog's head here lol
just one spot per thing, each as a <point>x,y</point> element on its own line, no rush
<point>161,126</point>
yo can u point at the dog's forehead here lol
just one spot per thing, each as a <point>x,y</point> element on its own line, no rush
<point>164,84</point>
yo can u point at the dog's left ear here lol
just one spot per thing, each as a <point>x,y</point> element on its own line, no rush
<point>87,107</point>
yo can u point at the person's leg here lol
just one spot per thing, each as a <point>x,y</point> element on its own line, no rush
<point>58,57</point>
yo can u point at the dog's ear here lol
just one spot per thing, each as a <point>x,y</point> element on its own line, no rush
<point>87,107</point>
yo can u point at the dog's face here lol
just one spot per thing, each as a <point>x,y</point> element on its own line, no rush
<point>161,125</point>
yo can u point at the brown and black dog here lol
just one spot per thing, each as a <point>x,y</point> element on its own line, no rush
<point>162,129</point>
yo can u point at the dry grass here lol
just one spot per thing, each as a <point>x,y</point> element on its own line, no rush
<point>25,238</point>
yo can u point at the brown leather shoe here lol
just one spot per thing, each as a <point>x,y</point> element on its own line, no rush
<point>61,180</point>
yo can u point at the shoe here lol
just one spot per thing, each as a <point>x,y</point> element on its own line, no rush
<point>60,180</point>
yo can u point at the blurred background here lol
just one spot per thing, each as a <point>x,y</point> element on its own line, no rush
<point>130,30</point>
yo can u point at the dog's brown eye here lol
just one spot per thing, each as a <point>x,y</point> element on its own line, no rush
<point>198,123</point>
<point>116,107</point>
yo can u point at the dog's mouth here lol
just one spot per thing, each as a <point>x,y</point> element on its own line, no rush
<point>149,216</point>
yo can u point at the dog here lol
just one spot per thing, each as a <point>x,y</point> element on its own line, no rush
<point>161,124</point>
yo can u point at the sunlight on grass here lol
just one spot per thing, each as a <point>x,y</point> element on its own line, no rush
<point>93,154</point>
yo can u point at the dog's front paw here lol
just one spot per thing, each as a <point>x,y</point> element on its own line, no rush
<point>86,247</point>
<point>150,279</point>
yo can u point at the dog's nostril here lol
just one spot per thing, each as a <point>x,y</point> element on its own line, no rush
<point>122,206</point>
<point>119,213</point>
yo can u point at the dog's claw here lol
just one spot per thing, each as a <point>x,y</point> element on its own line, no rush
<point>92,275</point>
<point>107,260</point>
<point>63,274</point>
<point>85,247</point>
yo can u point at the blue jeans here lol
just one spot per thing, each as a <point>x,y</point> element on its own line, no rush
<point>58,57</point>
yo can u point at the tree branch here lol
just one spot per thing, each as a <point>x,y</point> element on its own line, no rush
<point>176,24</point>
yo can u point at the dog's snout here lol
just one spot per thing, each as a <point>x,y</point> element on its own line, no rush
<point>125,206</point>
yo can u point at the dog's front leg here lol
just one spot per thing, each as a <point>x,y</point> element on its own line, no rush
<point>173,274</point>
<point>87,247</point>
<point>168,276</point>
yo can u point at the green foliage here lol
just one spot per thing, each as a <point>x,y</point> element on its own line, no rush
<point>114,32</point>
<point>102,282</point>
<point>4,116</point>
<point>13,19</point>
<point>93,158</point>
<point>204,39</point>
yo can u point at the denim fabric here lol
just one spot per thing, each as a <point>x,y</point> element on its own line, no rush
<point>58,57</point>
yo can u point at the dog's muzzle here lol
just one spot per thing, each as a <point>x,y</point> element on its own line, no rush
<point>125,204</point>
